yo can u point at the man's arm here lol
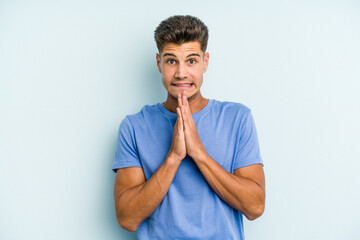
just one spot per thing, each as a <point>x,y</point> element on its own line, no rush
<point>135,198</point>
<point>244,190</point>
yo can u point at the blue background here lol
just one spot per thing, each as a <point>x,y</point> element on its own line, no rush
<point>71,70</point>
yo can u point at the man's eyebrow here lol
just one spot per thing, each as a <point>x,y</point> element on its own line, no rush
<point>193,54</point>
<point>169,54</point>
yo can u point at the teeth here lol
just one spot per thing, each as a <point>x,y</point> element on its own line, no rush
<point>185,84</point>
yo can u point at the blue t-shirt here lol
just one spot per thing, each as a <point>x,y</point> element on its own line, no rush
<point>190,209</point>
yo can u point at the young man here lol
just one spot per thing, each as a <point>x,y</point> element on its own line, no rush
<point>191,167</point>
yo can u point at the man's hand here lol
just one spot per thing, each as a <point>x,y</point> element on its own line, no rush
<point>178,148</point>
<point>185,139</point>
<point>194,146</point>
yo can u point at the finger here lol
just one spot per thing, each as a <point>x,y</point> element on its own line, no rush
<point>183,111</point>
<point>180,120</point>
<point>186,104</point>
<point>180,103</point>
<point>185,107</point>
<point>184,114</point>
<point>184,100</point>
<point>178,112</point>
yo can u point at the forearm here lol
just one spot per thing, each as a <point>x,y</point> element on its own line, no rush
<point>138,203</point>
<point>238,192</point>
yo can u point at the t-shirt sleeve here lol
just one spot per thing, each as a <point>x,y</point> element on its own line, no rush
<point>248,151</point>
<point>126,152</point>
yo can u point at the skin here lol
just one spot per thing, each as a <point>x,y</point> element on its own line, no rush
<point>184,63</point>
<point>135,198</point>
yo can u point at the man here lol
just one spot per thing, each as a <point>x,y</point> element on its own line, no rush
<point>191,167</point>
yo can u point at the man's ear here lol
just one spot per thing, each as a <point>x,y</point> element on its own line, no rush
<point>158,60</point>
<point>206,61</point>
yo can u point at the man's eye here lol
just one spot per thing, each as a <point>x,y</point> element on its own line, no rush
<point>192,61</point>
<point>171,61</point>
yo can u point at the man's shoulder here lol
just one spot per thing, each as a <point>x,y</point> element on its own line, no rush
<point>146,109</point>
<point>147,113</point>
<point>227,107</point>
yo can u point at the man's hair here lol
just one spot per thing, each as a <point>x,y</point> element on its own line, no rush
<point>181,29</point>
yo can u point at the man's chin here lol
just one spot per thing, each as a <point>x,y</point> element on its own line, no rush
<point>189,96</point>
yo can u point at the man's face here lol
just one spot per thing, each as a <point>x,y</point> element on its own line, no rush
<point>182,68</point>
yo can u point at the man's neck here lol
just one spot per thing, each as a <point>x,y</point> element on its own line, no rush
<point>196,104</point>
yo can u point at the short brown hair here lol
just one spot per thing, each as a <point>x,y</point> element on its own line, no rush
<point>181,29</point>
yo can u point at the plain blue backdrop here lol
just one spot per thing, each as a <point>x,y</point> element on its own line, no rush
<point>71,70</point>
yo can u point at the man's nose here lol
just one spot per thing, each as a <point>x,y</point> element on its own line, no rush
<point>181,71</point>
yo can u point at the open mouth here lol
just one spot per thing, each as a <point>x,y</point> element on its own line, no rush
<point>182,85</point>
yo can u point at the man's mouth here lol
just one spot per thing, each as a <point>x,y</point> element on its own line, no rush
<point>182,84</point>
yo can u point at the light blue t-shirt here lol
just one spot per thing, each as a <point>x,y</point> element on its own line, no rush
<point>190,209</point>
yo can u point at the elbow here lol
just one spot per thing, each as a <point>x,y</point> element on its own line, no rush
<point>125,221</point>
<point>255,213</point>
<point>127,225</point>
